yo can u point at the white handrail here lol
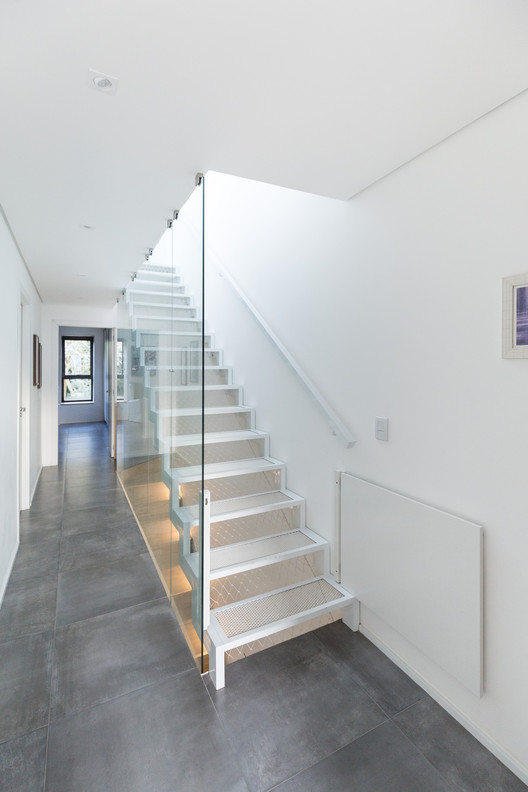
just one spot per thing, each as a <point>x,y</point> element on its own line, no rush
<point>338,427</point>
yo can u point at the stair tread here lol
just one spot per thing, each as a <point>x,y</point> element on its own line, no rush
<point>232,435</point>
<point>231,408</point>
<point>277,607</point>
<point>153,348</point>
<point>247,504</point>
<point>170,317</point>
<point>265,547</point>
<point>234,467</point>
<point>186,368</point>
<point>187,388</point>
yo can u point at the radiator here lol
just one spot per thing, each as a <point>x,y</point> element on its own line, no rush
<point>419,570</point>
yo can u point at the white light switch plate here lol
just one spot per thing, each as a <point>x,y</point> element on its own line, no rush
<point>381,428</point>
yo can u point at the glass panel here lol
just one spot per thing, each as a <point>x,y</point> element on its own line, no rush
<point>184,425</point>
<point>78,356</point>
<point>160,345</point>
<point>77,390</point>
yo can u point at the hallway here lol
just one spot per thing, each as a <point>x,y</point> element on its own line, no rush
<point>99,693</point>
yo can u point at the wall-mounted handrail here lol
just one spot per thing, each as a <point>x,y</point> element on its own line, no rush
<point>338,426</point>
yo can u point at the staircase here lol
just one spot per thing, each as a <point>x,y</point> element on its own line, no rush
<point>266,575</point>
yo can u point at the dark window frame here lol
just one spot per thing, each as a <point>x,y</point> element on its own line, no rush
<point>90,376</point>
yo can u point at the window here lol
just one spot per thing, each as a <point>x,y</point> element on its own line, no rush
<point>77,369</point>
<point>120,368</point>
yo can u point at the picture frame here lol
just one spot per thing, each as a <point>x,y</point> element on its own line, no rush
<point>515,316</point>
<point>39,374</point>
<point>35,359</point>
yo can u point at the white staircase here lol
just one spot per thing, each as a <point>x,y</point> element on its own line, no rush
<point>266,574</point>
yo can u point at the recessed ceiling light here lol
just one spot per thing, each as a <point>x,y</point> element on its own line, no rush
<point>103,82</point>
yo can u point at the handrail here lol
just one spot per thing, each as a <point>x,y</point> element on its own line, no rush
<point>338,427</point>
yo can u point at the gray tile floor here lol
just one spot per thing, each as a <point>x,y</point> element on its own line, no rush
<point>99,693</point>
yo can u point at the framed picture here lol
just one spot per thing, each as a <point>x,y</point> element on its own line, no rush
<point>515,316</point>
<point>35,359</point>
<point>39,373</point>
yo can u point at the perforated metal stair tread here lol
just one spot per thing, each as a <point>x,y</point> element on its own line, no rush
<point>257,549</point>
<point>278,607</point>
<point>233,435</point>
<point>224,469</point>
<point>246,504</point>
<point>194,388</point>
<point>232,408</point>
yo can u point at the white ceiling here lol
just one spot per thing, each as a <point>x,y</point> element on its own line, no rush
<point>324,97</point>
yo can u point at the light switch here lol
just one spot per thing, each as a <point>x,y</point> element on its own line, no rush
<point>381,430</point>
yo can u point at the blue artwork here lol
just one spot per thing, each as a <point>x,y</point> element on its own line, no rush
<point>521,317</point>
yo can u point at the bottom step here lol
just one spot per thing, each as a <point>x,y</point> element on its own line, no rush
<point>252,619</point>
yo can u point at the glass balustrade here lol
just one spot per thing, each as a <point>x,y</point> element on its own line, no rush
<point>161,353</point>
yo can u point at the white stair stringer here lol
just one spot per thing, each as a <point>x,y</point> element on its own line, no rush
<point>268,575</point>
<point>234,625</point>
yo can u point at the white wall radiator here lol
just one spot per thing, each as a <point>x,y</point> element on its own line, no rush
<point>419,570</point>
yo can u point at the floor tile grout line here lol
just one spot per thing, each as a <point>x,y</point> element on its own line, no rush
<point>449,782</point>
<point>360,684</point>
<point>108,613</point>
<point>225,731</point>
<point>53,642</point>
<point>324,758</point>
<point>95,705</point>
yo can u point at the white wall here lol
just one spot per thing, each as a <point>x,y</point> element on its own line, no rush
<point>95,411</point>
<point>53,317</point>
<point>392,303</point>
<point>16,286</point>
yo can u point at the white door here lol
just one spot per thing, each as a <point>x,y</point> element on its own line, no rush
<point>24,364</point>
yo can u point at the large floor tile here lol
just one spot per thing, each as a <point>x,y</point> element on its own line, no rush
<point>381,761</point>
<point>36,526</point>
<point>290,706</point>
<point>455,753</point>
<point>23,763</point>
<point>36,530</point>
<point>28,607</point>
<point>162,738</point>
<point>108,497</point>
<point>388,685</point>
<point>48,489</point>
<point>36,559</point>
<point>47,506</point>
<point>79,551</point>
<point>95,518</point>
<point>90,478</point>
<point>25,669</point>
<point>101,658</point>
<point>52,473</point>
<point>109,587</point>
<point>82,467</point>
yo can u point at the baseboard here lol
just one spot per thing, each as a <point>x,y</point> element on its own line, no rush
<point>10,569</point>
<point>35,487</point>
<point>520,770</point>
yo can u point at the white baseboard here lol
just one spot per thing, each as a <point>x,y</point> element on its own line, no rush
<point>513,764</point>
<point>10,569</point>
<point>36,485</point>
